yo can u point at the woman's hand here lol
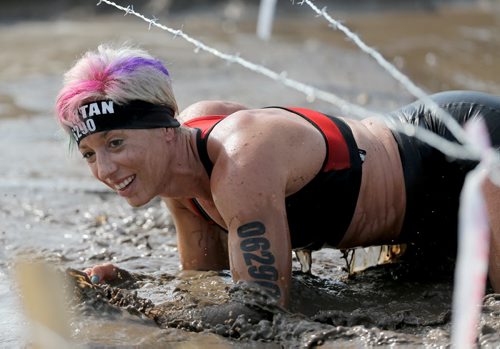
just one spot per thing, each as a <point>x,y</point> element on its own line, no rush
<point>102,273</point>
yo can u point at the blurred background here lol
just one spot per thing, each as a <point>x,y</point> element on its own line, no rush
<point>441,44</point>
<point>23,9</point>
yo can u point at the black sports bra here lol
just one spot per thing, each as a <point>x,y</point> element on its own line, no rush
<point>322,210</point>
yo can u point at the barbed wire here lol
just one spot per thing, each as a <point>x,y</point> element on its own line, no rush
<point>310,91</point>
<point>465,151</point>
<point>416,91</point>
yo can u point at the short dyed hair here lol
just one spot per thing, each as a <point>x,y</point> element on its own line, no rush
<point>120,74</point>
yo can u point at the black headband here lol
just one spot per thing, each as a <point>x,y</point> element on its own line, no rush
<point>106,115</point>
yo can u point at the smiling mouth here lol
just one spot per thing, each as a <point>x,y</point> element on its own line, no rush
<point>125,183</point>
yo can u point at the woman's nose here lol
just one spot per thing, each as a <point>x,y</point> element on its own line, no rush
<point>105,167</point>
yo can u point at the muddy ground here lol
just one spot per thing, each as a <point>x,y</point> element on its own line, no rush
<point>51,209</point>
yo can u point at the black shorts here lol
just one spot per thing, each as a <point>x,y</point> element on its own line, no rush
<point>433,181</point>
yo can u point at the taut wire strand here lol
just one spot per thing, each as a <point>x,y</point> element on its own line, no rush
<point>451,123</point>
<point>466,151</point>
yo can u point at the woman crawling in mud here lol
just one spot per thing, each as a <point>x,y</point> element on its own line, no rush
<point>245,186</point>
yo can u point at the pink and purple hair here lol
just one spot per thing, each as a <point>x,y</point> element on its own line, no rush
<point>118,74</point>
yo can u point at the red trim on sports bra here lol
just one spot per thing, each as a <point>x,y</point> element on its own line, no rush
<point>200,212</point>
<point>338,152</point>
<point>204,123</point>
<point>195,208</point>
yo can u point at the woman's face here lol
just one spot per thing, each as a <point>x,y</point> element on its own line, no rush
<point>131,162</point>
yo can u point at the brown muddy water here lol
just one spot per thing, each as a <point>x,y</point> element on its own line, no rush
<point>51,209</point>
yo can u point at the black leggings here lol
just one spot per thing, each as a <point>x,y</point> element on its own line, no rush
<point>433,181</point>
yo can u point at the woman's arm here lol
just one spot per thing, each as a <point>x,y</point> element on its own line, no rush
<point>202,246</point>
<point>259,241</point>
<point>248,187</point>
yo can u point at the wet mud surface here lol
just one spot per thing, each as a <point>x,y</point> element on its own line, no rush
<point>52,210</point>
<point>399,311</point>
<point>152,303</point>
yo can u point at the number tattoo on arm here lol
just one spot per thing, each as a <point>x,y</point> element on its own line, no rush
<point>264,273</point>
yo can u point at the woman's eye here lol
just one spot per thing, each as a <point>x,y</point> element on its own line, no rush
<point>115,143</point>
<point>87,155</point>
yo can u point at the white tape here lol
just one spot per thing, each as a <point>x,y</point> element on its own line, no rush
<point>473,248</point>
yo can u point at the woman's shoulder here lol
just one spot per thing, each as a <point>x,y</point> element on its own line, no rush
<point>208,108</point>
<point>266,141</point>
